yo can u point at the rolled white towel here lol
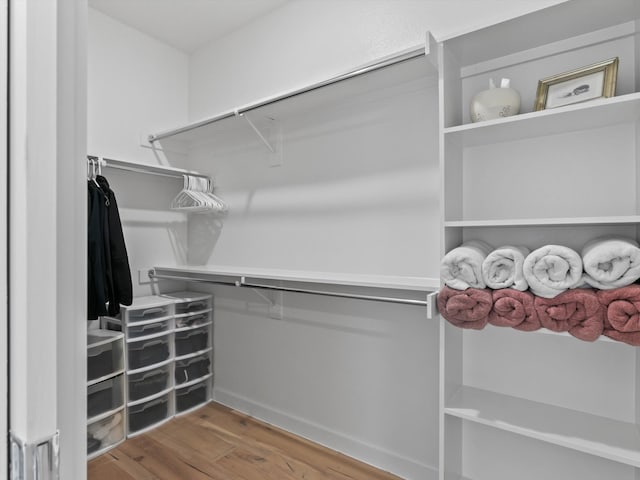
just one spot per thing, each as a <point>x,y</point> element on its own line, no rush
<point>461,268</point>
<point>611,262</point>
<point>552,269</point>
<point>503,268</point>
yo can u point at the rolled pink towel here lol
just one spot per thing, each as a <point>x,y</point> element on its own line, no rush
<point>622,314</point>
<point>578,312</point>
<point>465,308</point>
<point>512,308</point>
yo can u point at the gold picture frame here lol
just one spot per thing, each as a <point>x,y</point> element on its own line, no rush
<point>577,86</point>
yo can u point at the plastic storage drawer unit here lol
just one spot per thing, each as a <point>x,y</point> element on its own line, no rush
<point>145,384</point>
<point>192,396</point>
<point>148,352</point>
<point>147,414</point>
<point>191,341</point>
<point>192,369</point>
<point>104,396</point>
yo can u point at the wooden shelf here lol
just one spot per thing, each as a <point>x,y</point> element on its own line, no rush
<point>542,222</point>
<point>595,435</point>
<point>581,116</point>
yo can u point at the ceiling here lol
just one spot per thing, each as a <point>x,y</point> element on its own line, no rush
<point>185,24</point>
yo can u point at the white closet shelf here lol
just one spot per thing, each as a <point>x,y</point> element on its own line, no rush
<point>411,64</point>
<point>539,28</point>
<point>600,436</point>
<point>147,168</point>
<point>559,221</point>
<point>422,284</point>
<point>582,116</point>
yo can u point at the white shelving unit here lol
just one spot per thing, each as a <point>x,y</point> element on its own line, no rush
<point>529,405</point>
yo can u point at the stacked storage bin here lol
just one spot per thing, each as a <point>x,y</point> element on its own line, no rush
<point>105,391</point>
<point>168,351</point>
<point>193,349</point>
<point>148,327</point>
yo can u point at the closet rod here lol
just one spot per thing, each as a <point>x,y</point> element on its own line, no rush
<point>345,76</point>
<point>242,283</point>
<point>144,168</point>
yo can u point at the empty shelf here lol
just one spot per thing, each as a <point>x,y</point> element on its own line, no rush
<point>600,436</point>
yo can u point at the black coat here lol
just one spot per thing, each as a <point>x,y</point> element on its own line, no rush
<point>109,274</point>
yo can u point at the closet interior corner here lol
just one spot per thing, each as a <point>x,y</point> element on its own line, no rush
<point>286,253</point>
<point>321,289</point>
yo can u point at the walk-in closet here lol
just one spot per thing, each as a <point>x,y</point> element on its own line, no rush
<point>330,206</point>
<point>298,232</point>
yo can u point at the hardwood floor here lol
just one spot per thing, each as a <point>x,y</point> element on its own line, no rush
<point>215,442</point>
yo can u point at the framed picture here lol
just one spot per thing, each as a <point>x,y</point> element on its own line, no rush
<point>581,85</point>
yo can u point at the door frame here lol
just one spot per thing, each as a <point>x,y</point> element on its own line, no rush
<point>4,324</point>
<point>47,239</point>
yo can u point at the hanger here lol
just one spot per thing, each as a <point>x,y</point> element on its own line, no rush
<point>197,196</point>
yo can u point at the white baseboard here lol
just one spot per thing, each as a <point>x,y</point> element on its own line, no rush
<point>404,467</point>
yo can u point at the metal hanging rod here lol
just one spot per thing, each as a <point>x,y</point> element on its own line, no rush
<point>242,283</point>
<point>144,168</point>
<point>239,111</point>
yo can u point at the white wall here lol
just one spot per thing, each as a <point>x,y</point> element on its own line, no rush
<point>357,194</point>
<point>309,40</point>
<point>136,86</point>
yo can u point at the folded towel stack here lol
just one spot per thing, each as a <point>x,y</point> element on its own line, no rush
<point>554,287</point>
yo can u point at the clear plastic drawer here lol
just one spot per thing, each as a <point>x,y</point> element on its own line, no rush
<point>144,353</point>
<point>193,320</point>
<point>191,341</point>
<point>192,396</point>
<point>147,414</point>
<point>148,383</point>
<point>192,369</point>
<point>105,433</point>
<point>104,354</point>
<point>105,396</point>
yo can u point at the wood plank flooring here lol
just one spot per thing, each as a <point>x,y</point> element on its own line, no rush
<point>215,442</point>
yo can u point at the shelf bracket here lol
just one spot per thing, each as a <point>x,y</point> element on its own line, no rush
<point>274,299</point>
<point>275,132</point>
<point>432,308</point>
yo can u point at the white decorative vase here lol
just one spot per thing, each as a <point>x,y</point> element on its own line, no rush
<point>496,102</point>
